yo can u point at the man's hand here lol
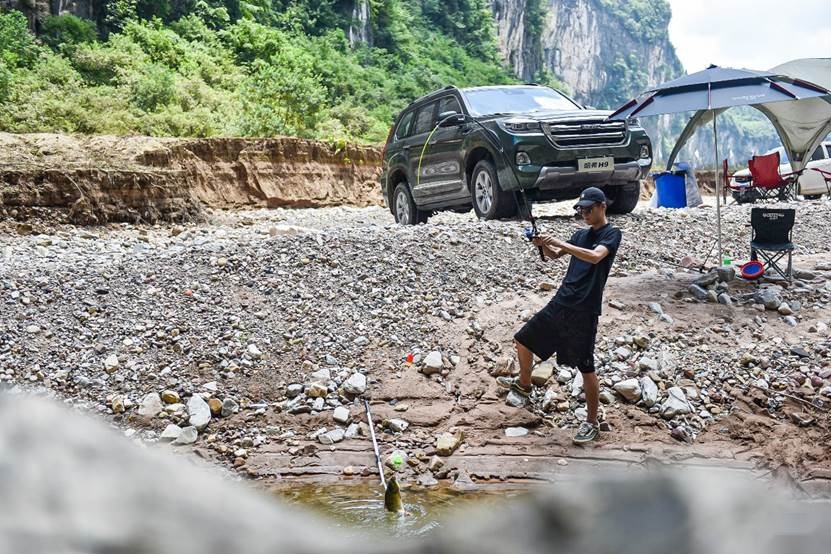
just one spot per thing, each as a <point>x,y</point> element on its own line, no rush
<point>552,246</point>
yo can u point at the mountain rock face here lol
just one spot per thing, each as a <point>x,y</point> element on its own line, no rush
<point>580,43</point>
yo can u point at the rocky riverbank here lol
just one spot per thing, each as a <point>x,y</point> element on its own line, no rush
<point>255,335</point>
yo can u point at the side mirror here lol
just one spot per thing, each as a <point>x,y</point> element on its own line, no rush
<point>451,119</point>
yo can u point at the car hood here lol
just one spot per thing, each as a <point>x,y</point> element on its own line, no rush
<point>558,115</point>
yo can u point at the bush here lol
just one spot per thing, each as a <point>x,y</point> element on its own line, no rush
<point>152,88</point>
<point>17,45</point>
<point>67,30</point>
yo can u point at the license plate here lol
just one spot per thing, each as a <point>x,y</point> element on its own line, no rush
<point>596,164</point>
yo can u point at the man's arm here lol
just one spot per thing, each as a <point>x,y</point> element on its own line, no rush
<point>592,256</point>
<point>552,252</point>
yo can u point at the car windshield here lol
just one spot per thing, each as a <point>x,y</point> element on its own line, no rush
<point>493,100</point>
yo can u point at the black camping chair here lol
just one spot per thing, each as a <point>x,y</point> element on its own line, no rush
<point>771,238</point>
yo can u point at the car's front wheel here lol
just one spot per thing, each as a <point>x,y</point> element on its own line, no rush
<point>489,200</point>
<point>623,198</point>
<point>404,208</point>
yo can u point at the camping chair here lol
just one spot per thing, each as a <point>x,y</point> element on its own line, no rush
<point>771,238</point>
<point>742,191</point>
<point>826,176</point>
<point>767,180</point>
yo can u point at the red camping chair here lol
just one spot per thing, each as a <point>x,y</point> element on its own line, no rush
<point>767,180</point>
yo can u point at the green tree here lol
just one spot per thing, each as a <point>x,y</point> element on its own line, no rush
<point>67,30</point>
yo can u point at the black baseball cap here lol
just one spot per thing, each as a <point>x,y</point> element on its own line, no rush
<point>590,197</point>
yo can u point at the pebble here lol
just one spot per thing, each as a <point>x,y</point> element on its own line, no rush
<point>199,412</point>
<point>341,415</point>
<point>516,432</point>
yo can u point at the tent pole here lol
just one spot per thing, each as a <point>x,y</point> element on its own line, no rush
<point>718,191</point>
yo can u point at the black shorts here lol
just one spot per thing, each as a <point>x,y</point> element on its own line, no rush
<point>568,333</point>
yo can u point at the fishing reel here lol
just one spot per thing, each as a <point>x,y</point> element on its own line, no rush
<point>530,233</point>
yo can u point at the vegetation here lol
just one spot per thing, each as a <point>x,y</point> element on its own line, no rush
<point>257,68</point>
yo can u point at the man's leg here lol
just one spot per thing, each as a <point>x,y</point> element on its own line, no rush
<point>592,390</point>
<point>526,360</point>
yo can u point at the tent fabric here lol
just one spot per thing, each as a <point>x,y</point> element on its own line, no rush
<point>801,124</point>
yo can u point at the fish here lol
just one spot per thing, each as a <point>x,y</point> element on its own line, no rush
<point>392,497</point>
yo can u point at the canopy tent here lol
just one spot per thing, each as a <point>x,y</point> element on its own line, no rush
<point>801,124</point>
<point>716,89</point>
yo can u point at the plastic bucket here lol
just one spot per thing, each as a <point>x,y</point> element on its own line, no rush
<point>671,189</point>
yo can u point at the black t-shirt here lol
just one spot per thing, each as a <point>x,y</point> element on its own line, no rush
<point>582,288</point>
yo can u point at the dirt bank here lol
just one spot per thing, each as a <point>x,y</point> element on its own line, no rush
<point>100,179</point>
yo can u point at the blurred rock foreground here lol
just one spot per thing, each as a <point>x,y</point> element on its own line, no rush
<point>71,485</point>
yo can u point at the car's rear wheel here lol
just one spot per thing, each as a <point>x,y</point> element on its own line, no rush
<point>404,208</point>
<point>623,198</point>
<point>489,200</point>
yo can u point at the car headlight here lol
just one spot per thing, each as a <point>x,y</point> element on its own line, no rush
<point>633,123</point>
<point>520,127</point>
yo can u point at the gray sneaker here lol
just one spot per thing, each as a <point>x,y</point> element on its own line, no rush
<point>512,383</point>
<point>586,433</point>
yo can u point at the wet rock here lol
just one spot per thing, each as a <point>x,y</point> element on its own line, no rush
<point>629,389</point>
<point>427,480</point>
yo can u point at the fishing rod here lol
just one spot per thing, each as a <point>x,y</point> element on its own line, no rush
<point>375,445</point>
<point>529,233</point>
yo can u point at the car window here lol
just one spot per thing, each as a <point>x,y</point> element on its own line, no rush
<point>404,126</point>
<point>817,155</point>
<point>425,120</point>
<point>515,99</point>
<point>449,104</point>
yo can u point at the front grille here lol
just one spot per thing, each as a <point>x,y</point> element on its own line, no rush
<point>578,133</point>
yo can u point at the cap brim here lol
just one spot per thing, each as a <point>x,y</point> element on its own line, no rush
<point>584,204</point>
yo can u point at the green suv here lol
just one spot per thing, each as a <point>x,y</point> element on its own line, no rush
<point>456,148</point>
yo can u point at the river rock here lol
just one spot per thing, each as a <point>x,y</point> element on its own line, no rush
<point>341,415</point>
<point>542,373</point>
<point>516,432</point>
<point>629,389</point>
<point>171,433</point>
<point>170,397</point>
<point>396,425</point>
<point>356,384</point>
<point>675,404</point>
<point>433,363</point>
<point>150,405</point>
<point>649,392</point>
<point>229,407</point>
<point>447,443</point>
<point>188,435</point>
<point>199,412</point>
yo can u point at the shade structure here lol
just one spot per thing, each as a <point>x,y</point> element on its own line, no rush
<point>716,89</point>
<point>801,124</point>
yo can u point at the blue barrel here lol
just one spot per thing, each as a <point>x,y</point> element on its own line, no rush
<point>671,189</point>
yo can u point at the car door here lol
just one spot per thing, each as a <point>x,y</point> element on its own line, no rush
<point>420,175</point>
<point>442,163</point>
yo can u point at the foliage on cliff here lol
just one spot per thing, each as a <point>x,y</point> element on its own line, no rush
<point>257,68</point>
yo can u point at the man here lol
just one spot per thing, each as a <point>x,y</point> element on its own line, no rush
<point>567,325</point>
